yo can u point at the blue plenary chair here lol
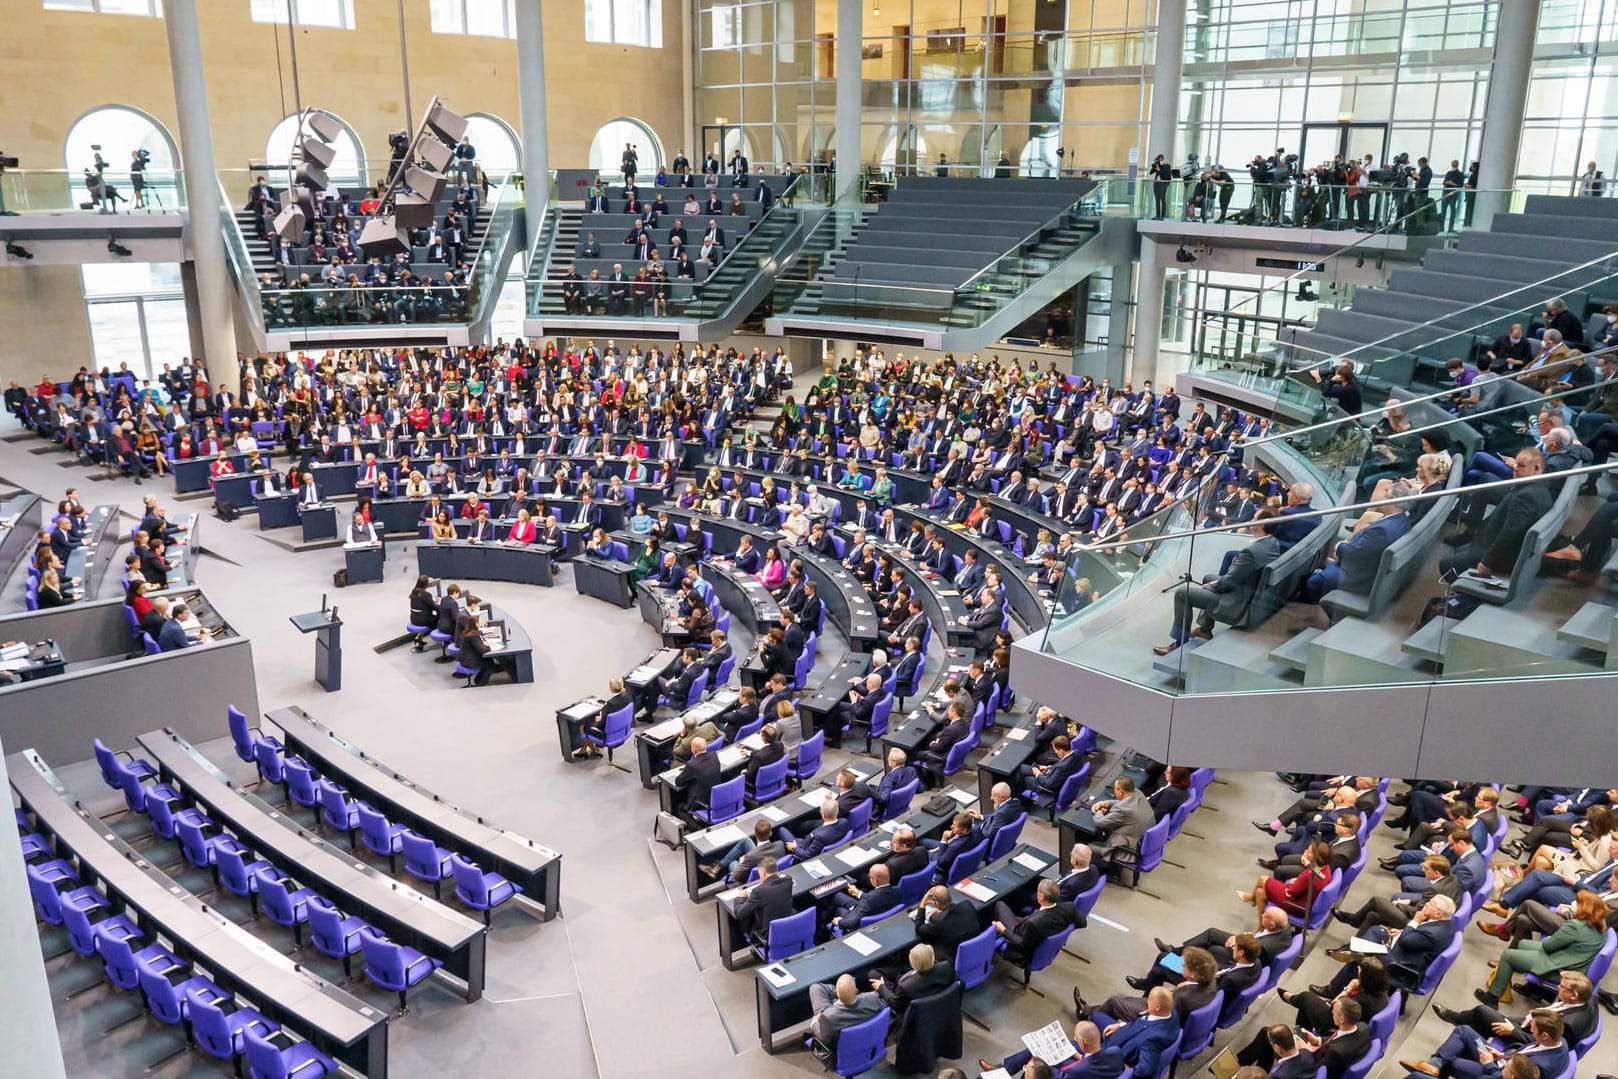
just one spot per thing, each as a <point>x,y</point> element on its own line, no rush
<point>1362,1067</point>
<point>860,1047</point>
<point>380,836</point>
<point>1434,972</point>
<point>955,760</point>
<point>338,812</point>
<point>725,801</point>
<point>395,967</point>
<point>299,780</point>
<point>123,964</point>
<point>1045,954</point>
<point>859,820</point>
<point>169,1000</point>
<point>425,860</point>
<point>788,936</point>
<point>43,882</point>
<point>770,781</point>
<point>1283,962</point>
<point>1382,1023</point>
<point>278,1057</point>
<point>1006,838</point>
<point>222,1034</point>
<point>899,800</point>
<point>1085,901</point>
<point>1197,1033</point>
<point>82,927</point>
<point>244,736</point>
<point>913,888</point>
<point>1150,854</point>
<point>237,875</point>
<point>114,763</point>
<point>879,720</point>
<point>807,760</point>
<point>966,862</point>
<point>201,849</point>
<point>284,904</point>
<point>974,963</point>
<point>614,732</point>
<point>478,889</point>
<point>165,813</point>
<point>335,934</point>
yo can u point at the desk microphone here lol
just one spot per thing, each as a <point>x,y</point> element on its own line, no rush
<point>322,603</point>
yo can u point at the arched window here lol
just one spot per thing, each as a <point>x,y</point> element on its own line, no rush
<point>499,151</point>
<point>607,149</point>
<point>121,132</point>
<point>347,168</point>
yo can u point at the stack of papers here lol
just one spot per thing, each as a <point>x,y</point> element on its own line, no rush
<point>725,835</point>
<point>813,799</point>
<point>964,797</point>
<point>1030,860</point>
<point>1017,734</point>
<point>854,857</point>
<point>973,890</point>
<point>775,814</point>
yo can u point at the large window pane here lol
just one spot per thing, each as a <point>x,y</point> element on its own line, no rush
<point>115,335</point>
<point>168,340</point>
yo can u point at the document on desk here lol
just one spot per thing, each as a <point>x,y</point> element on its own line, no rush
<point>854,857</point>
<point>817,869</point>
<point>775,814</point>
<point>815,798</point>
<point>1029,860</point>
<point>725,835</point>
<point>1017,734</point>
<point>777,975</point>
<point>973,890</point>
<point>862,943</point>
<point>962,796</point>
<point>1049,1044</point>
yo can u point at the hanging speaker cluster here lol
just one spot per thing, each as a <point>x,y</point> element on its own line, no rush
<point>315,154</point>
<point>417,185</point>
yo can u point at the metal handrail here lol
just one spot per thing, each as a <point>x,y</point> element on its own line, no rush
<point>1012,251</point>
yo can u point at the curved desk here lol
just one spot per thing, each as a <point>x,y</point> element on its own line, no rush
<point>463,559</point>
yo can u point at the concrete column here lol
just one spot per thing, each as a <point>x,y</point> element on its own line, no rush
<point>29,1032</point>
<point>201,189</point>
<point>1503,112</point>
<point>531,113</point>
<point>1148,313</point>
<point>1118,321</point>
<point>1168,62</point>
<point>850,34</point>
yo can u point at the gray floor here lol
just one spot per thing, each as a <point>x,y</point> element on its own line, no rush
<point>627,982</point>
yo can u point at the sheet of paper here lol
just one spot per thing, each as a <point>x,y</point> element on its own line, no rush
<point>862,943</point>
<point>814,798</point>
<point>777,975</point>
<point>1030,860</point>
<point>775,814</point>
<point>1049,1044</point>
<point>854,857</point>
<point>725,835</point>
<point>1366,947</point>
<point>974,890</point>
<point>817,869</point>
<point>995,1073</point>
<point>1017,734</point>
<point>962,796</point>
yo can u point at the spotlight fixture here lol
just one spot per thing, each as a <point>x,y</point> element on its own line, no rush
<point>17,251</point>
<point>116,248</point>
<point>1183,255</point>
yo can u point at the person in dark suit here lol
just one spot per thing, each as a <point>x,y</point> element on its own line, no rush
<point>927,974</point>
<point>852,792</point>
<point>1224,597</point>
<point>1344,845</point>
<point>956,729</point>
<point>899,774</point>
<point>1575,1001</point>
<point>1492,551</point>
<point>1003,809</point>
<point>1093,1061</point>
<point>1462,1055</point>
<point>1289,1061</point>
<point>1047,779</point>
<point>836,1010</point>
<point>740,714</point>
<point>1081,875</point>
<point>696,780</point>
<point>1396,913</point>
<point>1143,1041</point>
<point>1410,950</point>
<point>959,837</point>
<point>172,637</point>
<point>853,907</point>
<point>1023,935</point>
<point>1348,1041</point>
<point>762,903</point>
<point>831,831</point>
<point>770,752</point>
<point>1194,990</point>
<point>1272,934</point>
<point>942,922</point>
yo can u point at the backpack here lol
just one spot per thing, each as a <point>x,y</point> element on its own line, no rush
<point>226,510</point>
<point>340,579</point>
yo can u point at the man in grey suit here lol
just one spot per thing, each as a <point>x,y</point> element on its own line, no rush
<point>836,1009</point>
<point>1122,821</point>
<point>1224,597</point>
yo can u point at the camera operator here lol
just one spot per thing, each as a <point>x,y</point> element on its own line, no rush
<point>1220,181</point>
<point>138,160</point>
<point>1162,176</point>
<point>1262,173</point>
<point>398,145</point>
<point>1335,179</point>
<point>1198,190</point>
<point>1285,168</point>
<point>1450,207</point>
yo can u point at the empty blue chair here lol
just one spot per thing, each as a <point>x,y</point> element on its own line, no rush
<point>165,812</point>
<point>35,847</point>
<point>270,765</point>
<point>237,875</point>
<point>806,762</point>
<point>966,862</point>
<point>424,859</point>
<point>974,957</point>
<point>771,781</point>
<point>913,886</point>
<point>299,780</point>
<point>87,934</point>
<point>201,850</point>
<point>223,1035</point>
<point>725,801</point>
<point>49,903</point>
<point>478,889</point>
<point>1085,901</point>
<point>395,967</point>
<point>788,936</point>
<point>337,812</point>
<point>291,1060</point>
<point>244,736</point>
<point>169,1001</point>
<point>333,933</point>
<point>380,836</point>
<point>286,907</point>
<point>860,1047</point>
<point>1006,838</point>
<point>123,963</point>
<point>899,800</point>
<point>614,732</point>
<point>955,760</point>
<point>721,677</point>
<point>859,819</point>
<point>113,768</point>
<point>800,671</point>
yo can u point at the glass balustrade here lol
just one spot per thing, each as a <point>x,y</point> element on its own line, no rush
<point>50,191</point>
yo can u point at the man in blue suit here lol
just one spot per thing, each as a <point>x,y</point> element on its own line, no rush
<point>898,775</point>
<point>1093,1061</point>
<point>853,907</point>
<point>830,833</point>
<point>1463,1056</point>
<point>1352,567</point>
<point>1465,863</point>
<point>1143,1041</point>
<point>1003,809</point>
<point>1410,950</point>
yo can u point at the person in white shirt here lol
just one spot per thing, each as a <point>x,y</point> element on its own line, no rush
<point>361,533</point>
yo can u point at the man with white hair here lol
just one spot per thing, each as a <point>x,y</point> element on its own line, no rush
<point>1300,497</point>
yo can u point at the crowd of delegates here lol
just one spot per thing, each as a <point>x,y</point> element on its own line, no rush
<point>323,277</point>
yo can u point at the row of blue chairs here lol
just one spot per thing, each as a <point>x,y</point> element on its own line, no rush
<point>173,993</point>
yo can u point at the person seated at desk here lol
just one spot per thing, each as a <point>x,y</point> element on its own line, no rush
<point>442,527</point>
<point>361,533</point>
<point>152,564</point>
<point>795,528</point>
<point>173,637</point>
<point>475,651</point>
<point>693,787</point>
<point>1024,934</point>
<point>308,493</point>
<point>740,714</point>
<point>719,650</point>
<point>417,486</point>
<point>691,729</point>
<point>423,610</point>
<point>677,687</point>
<point>831,831</point>
<point>860,706</point>
<point>956,729</point>
<point>765,901</point>
<point>551,535</point>
<point>746,559</point>
<point>598,545</point>
<point>135,599</point>
<point>641,522</point>
<point>745,855</point>
<point>50,593</point>
<point>670,573</point>
<point>523,531</point>
<point>596,727</point>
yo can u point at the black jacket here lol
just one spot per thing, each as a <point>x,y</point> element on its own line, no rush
<point>769,899</point>
<point>697,780</point>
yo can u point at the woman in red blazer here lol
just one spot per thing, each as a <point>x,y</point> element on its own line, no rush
<point>523,531</point>
<point>1295,895</point>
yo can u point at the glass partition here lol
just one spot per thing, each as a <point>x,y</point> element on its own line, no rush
<point>39,191</point>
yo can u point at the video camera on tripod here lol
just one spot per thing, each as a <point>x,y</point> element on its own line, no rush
<point>1398,173</point>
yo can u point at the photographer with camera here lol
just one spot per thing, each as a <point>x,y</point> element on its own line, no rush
<point>398,146</point>
<point>138,160</point>
<point>1162,176</point>
<point>1221,182</point>
<point>1262,173</point>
